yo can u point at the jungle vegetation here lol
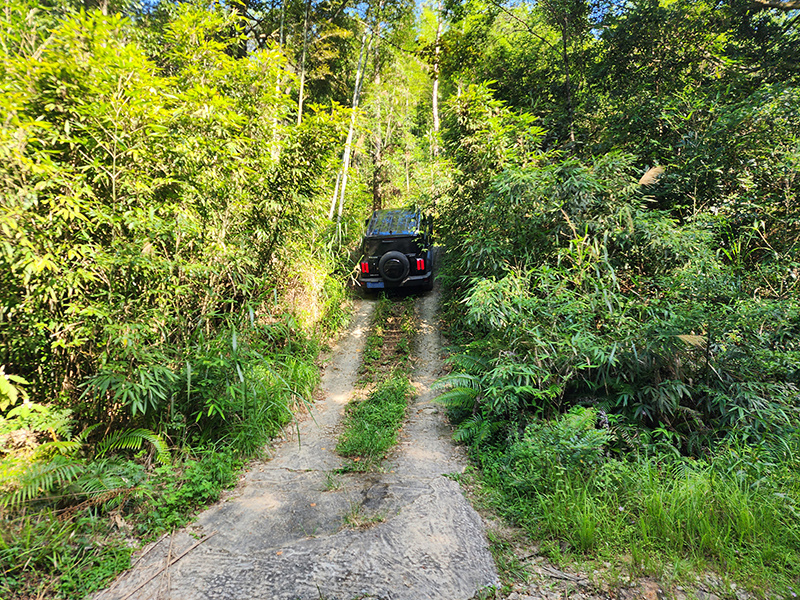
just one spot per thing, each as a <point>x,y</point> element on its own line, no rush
<point>622,227</point>
<point>615,188</point>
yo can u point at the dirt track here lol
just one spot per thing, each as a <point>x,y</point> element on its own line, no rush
<point>282,535</point>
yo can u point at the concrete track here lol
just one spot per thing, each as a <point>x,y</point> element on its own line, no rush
<point>282,534</point>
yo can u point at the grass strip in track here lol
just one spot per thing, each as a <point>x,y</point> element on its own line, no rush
<point>388,345</point>
<point>371,424</point>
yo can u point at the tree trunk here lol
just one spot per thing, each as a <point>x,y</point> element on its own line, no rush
<point>435,98</point>
<point>378,181</point>
<point>349,143</point>
<point>275,151</point>
<point>303,65</point>
<point>570,109</point>
<point>283,20</point>
<point>335,195</point>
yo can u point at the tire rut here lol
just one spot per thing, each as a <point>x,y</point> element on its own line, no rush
<point>282,534</point>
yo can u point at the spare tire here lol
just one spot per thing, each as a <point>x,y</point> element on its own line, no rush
<point>393,266</point>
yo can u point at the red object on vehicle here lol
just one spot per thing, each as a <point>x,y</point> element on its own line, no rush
<point>420,264</point>
<point>365,267</point>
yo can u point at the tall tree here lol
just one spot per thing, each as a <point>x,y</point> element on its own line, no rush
<point>436,69</point>
<point>348,145</point>
<point>570,18</point>
<point>303,64</point>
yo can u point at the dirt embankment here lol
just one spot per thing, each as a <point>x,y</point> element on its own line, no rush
<point>284,533</point>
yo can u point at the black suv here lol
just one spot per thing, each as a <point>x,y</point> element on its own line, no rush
<point>397,250</point>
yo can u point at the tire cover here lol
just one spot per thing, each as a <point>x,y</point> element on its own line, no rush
<point>393,266</point>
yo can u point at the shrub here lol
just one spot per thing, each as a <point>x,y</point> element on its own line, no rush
<point>570,446</point>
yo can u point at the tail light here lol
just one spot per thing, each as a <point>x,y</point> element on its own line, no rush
<point>420,264</point>
<point>365,268</point>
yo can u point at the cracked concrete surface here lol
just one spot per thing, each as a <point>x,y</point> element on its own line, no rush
<point>283,536</point>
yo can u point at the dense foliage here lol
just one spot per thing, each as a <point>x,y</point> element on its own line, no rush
<point>623,262</point>
<point>160,303</point>
<point>143,208</point>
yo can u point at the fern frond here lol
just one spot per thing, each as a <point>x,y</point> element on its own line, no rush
<point>459,398</point>
<point>61,448</point>
<point>84,435</point>
<point>467,430</point>
<point>469,362</point>
<point>458,380</point>
<point>132,439</point>
<point>100,483</point>
<point>101,476</point>
<point>67,448</point>
<point>43,477</point>
<point>476,430</point>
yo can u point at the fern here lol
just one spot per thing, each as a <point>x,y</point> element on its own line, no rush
<point>68,448</point>
<point>133,439</point>
<point>58,467</point>
<point>71,477</point>
<point>41,478</point>
<point>458,380</point>
<point>469,362</point>
<point>460,398</point>
<point>102,476</point>
<point>476,430</point>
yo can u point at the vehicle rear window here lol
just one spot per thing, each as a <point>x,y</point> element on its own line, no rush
<point>376,246</point>
<point>394,222</point>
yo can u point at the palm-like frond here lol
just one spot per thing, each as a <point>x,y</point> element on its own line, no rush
<point>458,380</point>
<point>65,447</point>
<point>133,439</point>
<point>469,362</point>
<point>102,476</point>
<point>459,398</point>
<point>59,447</point>
<point>476,430</point>
<point>43,477</point>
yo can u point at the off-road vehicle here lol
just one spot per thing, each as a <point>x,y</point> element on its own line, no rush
<point>397,251</point>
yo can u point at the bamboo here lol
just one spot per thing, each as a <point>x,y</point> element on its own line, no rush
<point>335,195</point>
<point>349,143</point>
<point>303,64</point>
<point>436,52</point>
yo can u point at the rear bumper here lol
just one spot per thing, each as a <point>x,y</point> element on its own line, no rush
<point>379,283</point>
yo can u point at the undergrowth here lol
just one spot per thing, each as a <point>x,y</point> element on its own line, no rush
<point>61,550</point>
<point>626,380</point>
<point>42,555</point>
<point>733,512</point>
<point>76,504</point>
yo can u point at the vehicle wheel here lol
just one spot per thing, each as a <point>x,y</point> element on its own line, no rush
<point>428,285</point>
<point>393,266</point>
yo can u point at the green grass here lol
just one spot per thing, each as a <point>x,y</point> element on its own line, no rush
<point>371,425</point>
<point>42,554</point>
<point>371,356</point>
<point>735,513</point>
<point>50,553</point>
<point>392,319</point>
<point>64,538</point>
